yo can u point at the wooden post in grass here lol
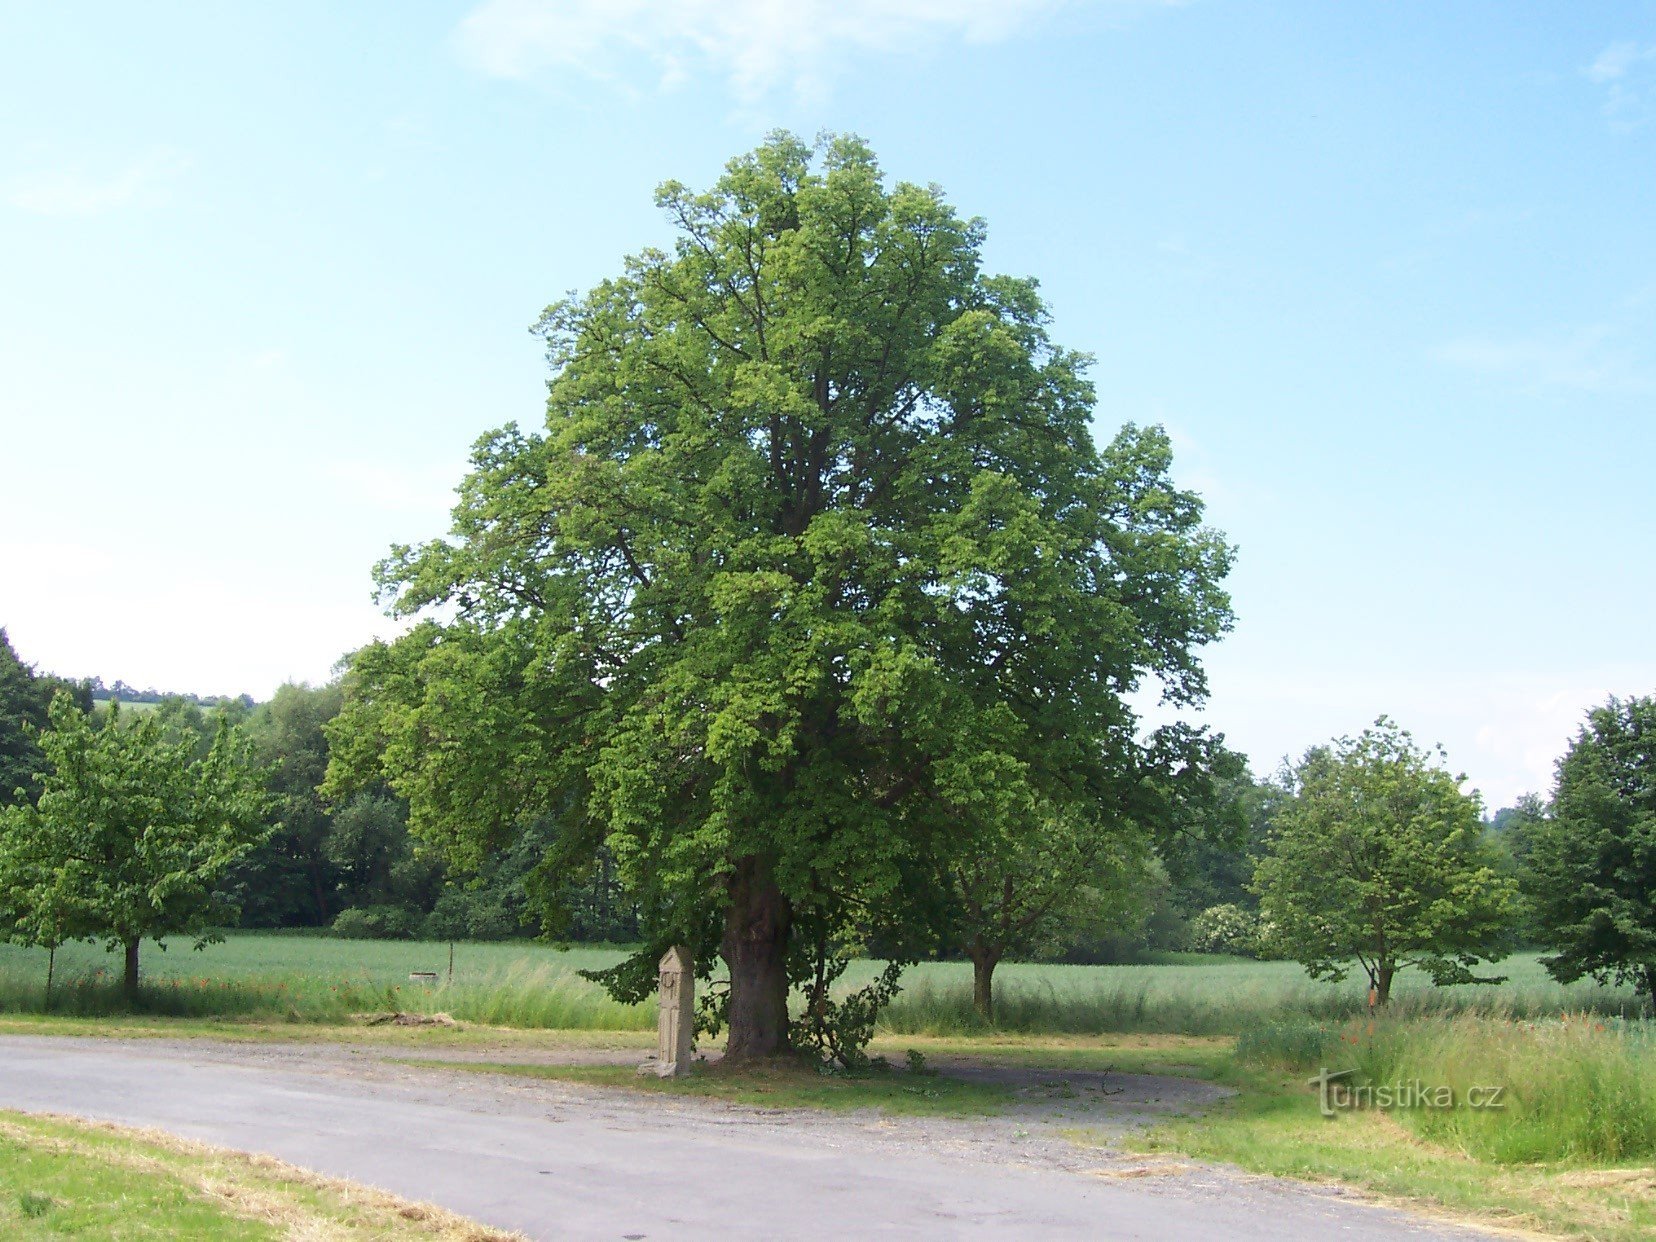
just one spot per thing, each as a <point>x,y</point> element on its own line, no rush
<point>676,1028</point>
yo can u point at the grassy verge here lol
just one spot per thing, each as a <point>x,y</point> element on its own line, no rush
<point>256,1030</point>
<point>1568,1153</point>
<point>63,1177</point>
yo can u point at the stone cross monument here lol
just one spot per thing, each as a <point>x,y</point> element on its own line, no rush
<point>677,1027</point>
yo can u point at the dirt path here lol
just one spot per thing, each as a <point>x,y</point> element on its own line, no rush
<point>558,1160</point>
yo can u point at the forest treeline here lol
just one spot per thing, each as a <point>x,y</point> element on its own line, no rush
<point>354,867</point>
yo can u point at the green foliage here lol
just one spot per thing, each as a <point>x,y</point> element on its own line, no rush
<point>837,1028</point>
<point>815,582</point>
<point>130,835</point>
<point>290,879</point>
<point>25,697</point>
<point>1381,858</point>
<point>1214,862</point>
<point>1516,826</point>
<point>1591,867</point>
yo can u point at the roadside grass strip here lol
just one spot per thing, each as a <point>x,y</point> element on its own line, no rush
<point>63,1176</point>
<point>1565,1150</point>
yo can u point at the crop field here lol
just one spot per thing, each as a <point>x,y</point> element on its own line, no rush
<point>323,979</point>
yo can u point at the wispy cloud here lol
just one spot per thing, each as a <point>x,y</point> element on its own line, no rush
<point>1596,359</point>
<point>76,191</point>
<point>1626,71</point>
<point>757,46</point>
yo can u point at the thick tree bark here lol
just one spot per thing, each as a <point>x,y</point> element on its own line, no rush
<point>755,950</point>
<point>129,984</point>
<point>983,981</point>
<point>1382,985</point>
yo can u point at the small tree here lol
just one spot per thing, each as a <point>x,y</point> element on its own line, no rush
<point>130,835</point>
<point>1590,873</point>
<point>1017,895</point>
<point>1380,858</point>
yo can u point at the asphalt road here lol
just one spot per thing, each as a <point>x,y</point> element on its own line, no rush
<point>558,1161</point>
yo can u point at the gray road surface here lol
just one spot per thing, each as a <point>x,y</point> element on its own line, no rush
<point>556,1160</point>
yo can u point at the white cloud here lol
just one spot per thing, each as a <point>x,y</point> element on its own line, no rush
<point>74,191</point>
<point>1627,72</point>
<point>757,46</point>
<point>1613,62</point>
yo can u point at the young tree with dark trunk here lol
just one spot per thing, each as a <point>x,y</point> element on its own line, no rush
<point>1380,860</point>
<point>1032,873</point>
<point>815,559</point>
<point>130,835</point>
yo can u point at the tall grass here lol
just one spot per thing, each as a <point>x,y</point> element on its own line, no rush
<point>1224,998</point>
<point>1576,1087</point>
<point>320,979</point>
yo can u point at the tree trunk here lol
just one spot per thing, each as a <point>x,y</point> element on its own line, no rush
<point>51,967</point>
<point>983,981</point>
<point>1382,985</point>
<point>1650,984</point>
<point>755,950</point>
<point>129,984</point>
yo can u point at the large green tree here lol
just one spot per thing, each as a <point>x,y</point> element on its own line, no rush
<point>1590,869</point>
<point>130,835</point>
<point>815,578</point>
<point>1382,860</point>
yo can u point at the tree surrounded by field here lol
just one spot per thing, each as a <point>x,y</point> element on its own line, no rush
<point>815,582</point>
<point>129,837</point>
<point>1590,867</point>
<point>1379,858</point>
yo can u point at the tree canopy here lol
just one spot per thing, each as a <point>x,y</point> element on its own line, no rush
<point>1381,859</point>
<point>1591,866</point>
<point>815,579</point>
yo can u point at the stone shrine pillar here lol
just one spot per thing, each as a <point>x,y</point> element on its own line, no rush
<point>676,1029</point>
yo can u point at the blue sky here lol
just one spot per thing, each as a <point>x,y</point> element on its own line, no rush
<point>1386,273</point>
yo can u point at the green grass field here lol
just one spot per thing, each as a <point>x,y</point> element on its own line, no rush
<point>322,979</point>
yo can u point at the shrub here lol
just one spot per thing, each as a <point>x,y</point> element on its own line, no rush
<point>377,923</point>
<point>1225,928</point>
